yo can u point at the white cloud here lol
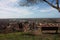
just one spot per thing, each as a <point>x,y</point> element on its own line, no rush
<point>7,11</point>
<point>14,12</point>
<point>47,10</point>
<point>12,0</point>
<point>7,3</point>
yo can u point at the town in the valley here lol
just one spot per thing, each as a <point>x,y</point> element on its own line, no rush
<point>28,25</point>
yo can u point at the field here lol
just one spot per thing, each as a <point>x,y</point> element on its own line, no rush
<point>23,36</point>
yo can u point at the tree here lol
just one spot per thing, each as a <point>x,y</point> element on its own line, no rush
<point>28,2</point>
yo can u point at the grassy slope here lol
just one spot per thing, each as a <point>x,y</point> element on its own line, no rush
<point>19,36</point>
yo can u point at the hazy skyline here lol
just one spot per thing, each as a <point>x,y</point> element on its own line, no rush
<point>11,9</point>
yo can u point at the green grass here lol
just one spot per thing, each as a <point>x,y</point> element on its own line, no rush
<point>21,36</point>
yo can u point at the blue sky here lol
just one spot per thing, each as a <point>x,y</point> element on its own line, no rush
<point>11,9</point>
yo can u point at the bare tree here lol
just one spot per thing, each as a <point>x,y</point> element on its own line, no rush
<point>28,2</point>
<point>57,4</point>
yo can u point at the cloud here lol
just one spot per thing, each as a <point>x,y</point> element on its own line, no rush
<point>8,10</point>
<point>14,12</point>
<point>47,10</point>
<point>8,3</point>
<point>12,0</point>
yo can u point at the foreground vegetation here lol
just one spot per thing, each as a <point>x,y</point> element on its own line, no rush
<point>24,36</point>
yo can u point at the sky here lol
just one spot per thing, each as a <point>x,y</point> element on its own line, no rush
<point>11,9</point>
